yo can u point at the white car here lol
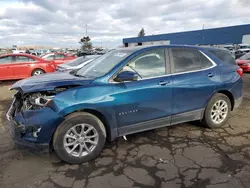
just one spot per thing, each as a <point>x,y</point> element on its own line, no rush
<point>76,63</point>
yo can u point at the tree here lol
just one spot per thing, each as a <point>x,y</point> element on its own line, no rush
<point>85,42</point>
<point>141,33</point>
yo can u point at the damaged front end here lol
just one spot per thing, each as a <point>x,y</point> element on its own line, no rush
<point>33,121</point>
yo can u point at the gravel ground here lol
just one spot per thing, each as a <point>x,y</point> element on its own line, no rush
<point>186,155</point>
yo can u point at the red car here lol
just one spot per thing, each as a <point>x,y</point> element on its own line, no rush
<point>58,57</point>
<point>18,66</point>
<point>244,62</point>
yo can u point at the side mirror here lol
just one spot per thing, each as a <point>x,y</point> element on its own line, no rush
<point>126,76</point>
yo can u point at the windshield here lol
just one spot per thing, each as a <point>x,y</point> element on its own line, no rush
<point>76,61</point>
<point>104,63</point>
<point>245,57</point>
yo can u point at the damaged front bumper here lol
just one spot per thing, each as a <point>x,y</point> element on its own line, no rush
<point>33,128</point>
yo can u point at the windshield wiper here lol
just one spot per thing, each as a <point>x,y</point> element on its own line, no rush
<point>78,75</point>
<point>74,73</point>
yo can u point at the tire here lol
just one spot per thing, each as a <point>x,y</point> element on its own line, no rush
<point>37,72</point>
<point>209,118</point>
<point>76,121</point>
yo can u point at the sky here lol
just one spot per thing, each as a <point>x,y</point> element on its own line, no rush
<point>61,23</point>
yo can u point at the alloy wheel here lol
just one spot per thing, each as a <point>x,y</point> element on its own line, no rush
<point>80,140</point>
<point>38,72</point>
<point>219,111</point>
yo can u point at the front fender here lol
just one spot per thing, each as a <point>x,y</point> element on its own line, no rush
<point>98,98</point>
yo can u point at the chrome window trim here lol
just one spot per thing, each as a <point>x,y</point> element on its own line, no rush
<point>173,74</point>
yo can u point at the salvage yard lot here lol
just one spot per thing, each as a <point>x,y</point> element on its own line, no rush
<point>186,155</point>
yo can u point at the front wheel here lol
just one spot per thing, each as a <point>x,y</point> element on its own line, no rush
<point>217,111</point>
<point>79,138</point>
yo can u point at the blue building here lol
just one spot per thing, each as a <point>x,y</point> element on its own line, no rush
<point>216,36</point>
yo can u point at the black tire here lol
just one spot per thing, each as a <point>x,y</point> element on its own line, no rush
<point>37,70</point>
<point>207,119</point>
<point>70,121</point>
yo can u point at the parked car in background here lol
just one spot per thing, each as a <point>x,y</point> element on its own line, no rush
<point>229,47</point>
<point>18,66</point>
<point>241,52</point>
<point>84,53</point>
<point>244,62</point>
<point>123,92</point>
<point>57,57</point>
<point>243,46</point>
<point>76,63</point>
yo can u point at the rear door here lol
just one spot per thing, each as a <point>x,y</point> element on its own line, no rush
<point>22,66</point>
<point>195,78</point>
<point>148,98</point>
<point>6,71</point>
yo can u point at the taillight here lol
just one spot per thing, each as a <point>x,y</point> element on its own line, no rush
<point>240,71</point>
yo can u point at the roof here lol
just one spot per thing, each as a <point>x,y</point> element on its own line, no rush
<point>223,35</point>
<point>137,48</point>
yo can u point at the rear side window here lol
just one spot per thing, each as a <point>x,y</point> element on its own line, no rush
<point>223,55</point>
<point>23,59</point>
<point>185,60</point>
<point>205,62</point>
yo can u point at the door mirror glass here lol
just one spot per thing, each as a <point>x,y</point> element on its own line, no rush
<point>126,76</point>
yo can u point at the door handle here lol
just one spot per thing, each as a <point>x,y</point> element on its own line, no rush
<point>210,75</point>
<point>163,83</point>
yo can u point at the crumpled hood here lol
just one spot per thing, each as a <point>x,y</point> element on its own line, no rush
<point>49,81</point>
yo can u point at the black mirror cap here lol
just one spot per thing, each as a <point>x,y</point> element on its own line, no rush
<point>126,76</point>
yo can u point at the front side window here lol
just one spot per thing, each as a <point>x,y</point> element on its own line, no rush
<point>186,60</point>
<point>5,59</point>
<point>148,64</point>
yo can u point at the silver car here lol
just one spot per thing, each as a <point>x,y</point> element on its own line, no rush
<point>76,63</point>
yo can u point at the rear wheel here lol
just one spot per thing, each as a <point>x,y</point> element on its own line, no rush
<point>217,111</point>
<point>80,138</point>
<point>37,72</point>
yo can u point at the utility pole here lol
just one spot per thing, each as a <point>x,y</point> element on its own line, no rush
<point>86,30</point>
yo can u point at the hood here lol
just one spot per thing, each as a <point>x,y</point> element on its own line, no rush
<point>65,66</point>
<point>49,81</point>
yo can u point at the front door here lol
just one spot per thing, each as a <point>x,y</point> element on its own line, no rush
<point>146,103</point>
<point>195,78</point>
<point>6,71</point>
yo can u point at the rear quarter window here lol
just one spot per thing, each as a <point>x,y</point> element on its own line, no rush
<point>223,55</point>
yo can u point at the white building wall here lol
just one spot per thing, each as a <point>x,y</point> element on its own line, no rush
<point>246,39</point>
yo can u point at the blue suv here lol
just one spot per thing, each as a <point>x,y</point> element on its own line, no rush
<point>125,91</point>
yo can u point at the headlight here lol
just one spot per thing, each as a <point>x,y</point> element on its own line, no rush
<point>40,101</point>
